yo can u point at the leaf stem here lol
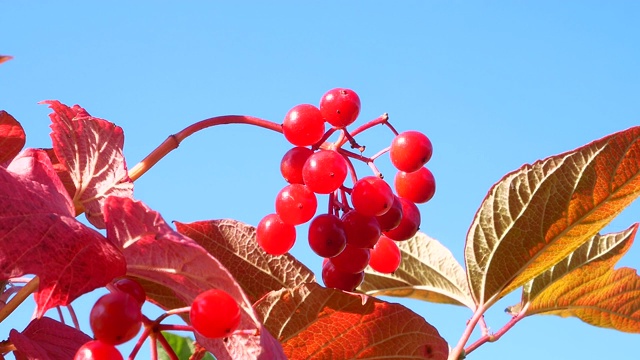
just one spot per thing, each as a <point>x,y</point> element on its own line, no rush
<point>458,352</point>
<point>498,334</point>
<point>20,296</point>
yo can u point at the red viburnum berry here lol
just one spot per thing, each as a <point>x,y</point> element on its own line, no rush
<point>410,150</point>
<point>385,256</point>
<point>97,350</point>
<point>303,125</point>
<point>334,278</point>
<point>351,260</point>
<point>296,204</point>
<point>362,231</point>
<point>340,107</point>
<point>409,224</point>
<point>132,288</point>
<point>214,314</point>
<point>325,171</point>
<point>371,196</point>
<point>418,186</point>
<point>327,237</point>
<point>391,219</point>
<point>292,163</point>
<point>275,236</point>
<point>115,318</point>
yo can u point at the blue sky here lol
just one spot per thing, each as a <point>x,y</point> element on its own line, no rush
<point>493,84</point>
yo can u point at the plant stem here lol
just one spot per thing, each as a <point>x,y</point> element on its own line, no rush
<point>173,141</point>
<point>167,347</point>
<point>20,296</point>
<point>457,352</point>
<point>497,335</point>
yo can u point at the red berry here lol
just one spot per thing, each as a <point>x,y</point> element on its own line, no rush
<point>132,288</point>
<point>303,125</point>
<point>410,150</point>
<point>334,278</point>
<point>391,219</point>
<point>274,236</point>
<point>214,314</point>
<point>97,350</point>
<point>292,163</point>
<point>418,186</point>
<point>351,260</point>
<point>362,231</point>
<point>296,204</point>
<point>327,237</point>
<point>371,196</point>
<point>409,224</point>
<point>340,107</point>
<point>115,318</point>
<point>385,256</point>
<point>324,171</point>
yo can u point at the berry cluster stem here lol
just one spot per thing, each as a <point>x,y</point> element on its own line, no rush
<point>20,296</point>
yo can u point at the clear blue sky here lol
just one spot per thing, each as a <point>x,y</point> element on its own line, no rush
<point>493,84</point>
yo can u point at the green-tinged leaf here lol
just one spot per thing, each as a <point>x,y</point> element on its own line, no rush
<point>596,293</point>
<point>234,245</point>
<point>183,347</point>
<point>599,248</point>
<point>428,271</point>
<point>312,322</point>
<point>538,215</point>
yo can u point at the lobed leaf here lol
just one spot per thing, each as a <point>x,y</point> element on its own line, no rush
<point>594,292</point>
<point>182,268</point>
<point>313,322</point>
<point>39,235</point>
<point>12,136</point>
<point>537,215</point>
<point>90,152</point>
<point>234,245</point>
<point>428,271</point>
<point>49,339</point>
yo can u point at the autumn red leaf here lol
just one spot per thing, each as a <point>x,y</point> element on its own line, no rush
<point>4,58</point>
<point>90,150</point>
<point>234,245</point>
<point>46,338</point>
<point>313,322</point>
<point>158,254</point>
<point>537,215</point>
<point>39,235</point>
<point>12,137</point>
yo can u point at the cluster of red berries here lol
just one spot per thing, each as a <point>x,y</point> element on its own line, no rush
<point>117,318</point>
<point>364,221</point>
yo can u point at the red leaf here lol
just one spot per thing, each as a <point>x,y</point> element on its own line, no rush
<point>12,137</point>
<point>158,254</point>
<point>4,58</point>
<point>39,235</point>
<point>46,338</point>
<point>90,149</point>
<point>313,322</point>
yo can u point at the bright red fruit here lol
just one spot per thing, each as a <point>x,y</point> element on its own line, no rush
<point>303,125</point>
<point>115,318</point>
<point>292,163</point>
<point>340,107</point>
<point>410,150</point>
<point>327,237</point>
<point>296,204</point>
<point>362,231</point>
<point>409,224</point>
<point>371,196</point>
<point>391,219</point>
<point>324,171</point>
<point>132,288</point>
<point>418,186</point>
<point>97,350</point>
<point>385,256</point>
<point>214,314</point>
<point>351,260</point>
<point>334,278</point>
<point>274,236</point>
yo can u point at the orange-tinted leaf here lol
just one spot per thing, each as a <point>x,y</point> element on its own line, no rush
<point>313,322</point>
<point>234,245</point>
<point>428,271</point>
<point>596,293</point>
<point>90,150</point>
<point>12,136</point>
<point>539,214</point>
<point>4,58</point>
